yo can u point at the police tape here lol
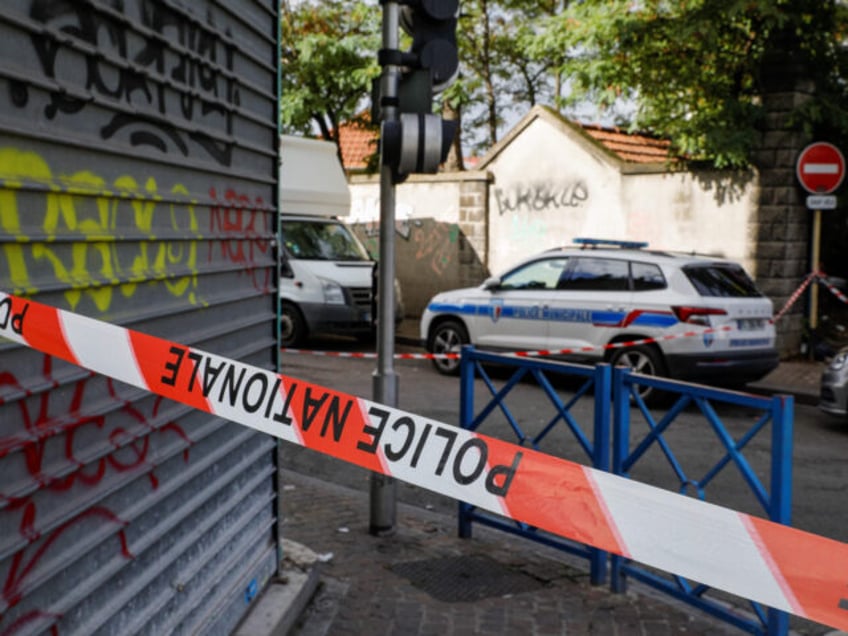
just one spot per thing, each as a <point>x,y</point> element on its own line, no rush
<point>365,355</point>
<point>795,295</point>
<point>833,289</point>
<point>779,566</point>
<point>455,355</point>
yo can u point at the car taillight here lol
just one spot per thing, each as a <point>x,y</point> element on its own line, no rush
<point>697,315</point>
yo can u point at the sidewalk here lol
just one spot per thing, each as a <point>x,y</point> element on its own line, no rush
<point>423,579</point>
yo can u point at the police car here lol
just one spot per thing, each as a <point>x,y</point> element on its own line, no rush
<point>705,318</point>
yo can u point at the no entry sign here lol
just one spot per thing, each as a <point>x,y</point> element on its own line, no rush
<point>820,168</point>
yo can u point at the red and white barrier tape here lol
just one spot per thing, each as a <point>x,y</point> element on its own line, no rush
<point>795,295</point>
<point>520,354</point>
<point>357,354</point>
<point>833,290</point>
<point>776,565</point>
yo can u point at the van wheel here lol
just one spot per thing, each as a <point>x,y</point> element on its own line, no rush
<point>644,360</point>
<point>293,329</point>
<point>447,337</point>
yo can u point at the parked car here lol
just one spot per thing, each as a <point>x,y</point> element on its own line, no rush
<point>834,385</point>
<point>599,292</point>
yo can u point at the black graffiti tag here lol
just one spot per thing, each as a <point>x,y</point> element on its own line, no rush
<point>541,196</point>
<point>139,66</point>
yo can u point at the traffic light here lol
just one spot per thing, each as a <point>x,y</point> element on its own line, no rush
<point>418,141</point>
<point>432,26</point>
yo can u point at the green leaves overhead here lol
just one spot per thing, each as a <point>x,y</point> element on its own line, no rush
<point>692,71</point>
<point>697,69</point>
<point>329,55</point>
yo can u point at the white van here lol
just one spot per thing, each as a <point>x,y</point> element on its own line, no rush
<point>327,276</point>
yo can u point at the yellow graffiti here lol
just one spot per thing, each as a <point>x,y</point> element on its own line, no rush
<point>84,208</point>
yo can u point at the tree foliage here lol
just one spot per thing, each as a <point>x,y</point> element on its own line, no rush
<point>329,56</point>
<point>497,77</point>
<point>696,69</point>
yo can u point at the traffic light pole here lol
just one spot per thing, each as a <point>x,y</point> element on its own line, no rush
<point>385,381</point>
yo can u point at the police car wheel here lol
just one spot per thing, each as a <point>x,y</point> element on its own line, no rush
<point>447,337</point>
<point>643,360</point>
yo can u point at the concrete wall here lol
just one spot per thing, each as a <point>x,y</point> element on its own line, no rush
<point>705,212</point>
<point>550,187</point>
<point>541,187</point>
<point>545,192</point>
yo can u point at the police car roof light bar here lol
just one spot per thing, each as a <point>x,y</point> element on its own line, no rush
<point>594,242</point>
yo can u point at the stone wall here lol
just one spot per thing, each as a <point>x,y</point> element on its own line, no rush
<point>783,225</point>
<point>440,231</point>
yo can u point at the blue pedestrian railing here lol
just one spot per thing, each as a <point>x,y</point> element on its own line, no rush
<point>595,444</point>
<point>615,431</point>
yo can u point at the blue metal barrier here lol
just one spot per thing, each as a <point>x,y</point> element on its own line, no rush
<point>627,451</point>
<point>597,448</point>
<point>614,428</point>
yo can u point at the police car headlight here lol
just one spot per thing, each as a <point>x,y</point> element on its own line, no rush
<point>839,360</point>
<point>333,292</point>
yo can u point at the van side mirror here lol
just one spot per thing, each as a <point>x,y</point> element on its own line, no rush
<point>285,269</point>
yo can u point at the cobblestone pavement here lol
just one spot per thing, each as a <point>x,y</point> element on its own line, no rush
<point>423,579</point>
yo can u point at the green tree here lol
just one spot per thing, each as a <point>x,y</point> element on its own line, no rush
<point>329,56</point>
<point>695,69</point>
<point>496,74</point>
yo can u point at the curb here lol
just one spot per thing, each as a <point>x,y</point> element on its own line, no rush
<point>286,598</point>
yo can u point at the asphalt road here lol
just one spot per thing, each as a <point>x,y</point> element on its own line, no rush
<point>820,469</point>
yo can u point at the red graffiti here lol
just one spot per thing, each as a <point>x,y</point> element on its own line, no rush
<point>235,223</point>
<point>20,568</point>
<point>100,432</point>
<point>29,619</point>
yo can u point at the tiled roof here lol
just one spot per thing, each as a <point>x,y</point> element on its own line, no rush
<point>632,148</point>
<point>357,144</point>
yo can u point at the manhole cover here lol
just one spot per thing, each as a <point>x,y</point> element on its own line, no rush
<point>466,578</point>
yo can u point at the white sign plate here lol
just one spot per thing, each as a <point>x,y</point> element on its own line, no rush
<point>821,202</point>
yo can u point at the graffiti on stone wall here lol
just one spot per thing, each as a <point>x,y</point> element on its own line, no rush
<point>541,196</point>
<point>435,244</point>
<point>437,248</point>
<point>138,68</point>
<point>98,265</point>
<point>98,449</point>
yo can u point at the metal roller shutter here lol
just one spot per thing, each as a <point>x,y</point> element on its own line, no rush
<point>138,185</point>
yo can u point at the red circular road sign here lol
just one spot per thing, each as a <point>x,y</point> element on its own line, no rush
<point>820,168</point>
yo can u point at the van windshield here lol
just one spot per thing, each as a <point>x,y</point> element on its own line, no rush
<point>322,240</point>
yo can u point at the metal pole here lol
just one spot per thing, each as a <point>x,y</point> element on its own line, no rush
<point>385,380</point>
<point>814,257</point>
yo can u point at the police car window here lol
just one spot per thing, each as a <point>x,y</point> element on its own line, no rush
<point>543,274</point>
<point>646,276</point>
<point>726,280</point>
<point>596,274</point>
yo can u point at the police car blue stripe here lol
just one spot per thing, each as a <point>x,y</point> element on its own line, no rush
<point>554,314</point>
<point>655,320</point>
